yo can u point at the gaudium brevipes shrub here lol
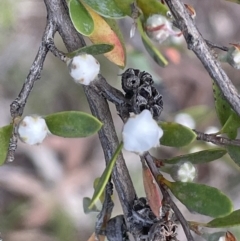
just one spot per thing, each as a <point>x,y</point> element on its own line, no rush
<point>139,105</point>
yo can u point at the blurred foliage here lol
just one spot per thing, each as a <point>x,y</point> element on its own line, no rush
<point>7,16</point>
<point>62,226</point>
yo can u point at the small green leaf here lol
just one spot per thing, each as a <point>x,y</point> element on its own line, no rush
<point>151,49</point>
<point>198,157</point>
<point>234,153</point>
<point>86,202</point>
<point>105,8</point>
<point>124,6</point>
<point>104,178</point>
<point>231,126</point>
<point>80,17</point>
<point>201,198</point>
<point>223,108</point>
<point>94,49</point>
<point>176,135</point>
<point>233,219</point>
<point>5,135</point>
<point>227,117</point>
<point>72,124</point>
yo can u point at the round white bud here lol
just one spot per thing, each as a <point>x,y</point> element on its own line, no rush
<point>184,172</point>
<point>83,68</point>
<point>141,133</point>
<point>32,130</point>
<point>157,28</point>
<point>233,56</point>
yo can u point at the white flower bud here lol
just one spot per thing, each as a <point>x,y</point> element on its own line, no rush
<point>184,172</point>
<point>32,130</point>
<point>159,28</point>
<point>83,68</point>
<point>141,133</point>
<point>233,56</point>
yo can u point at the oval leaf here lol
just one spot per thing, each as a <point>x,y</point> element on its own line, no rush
<point>72,124</point>
<point>222,107</point>
<point>105,8</point>
<point>227,117</point>
<point>5,135</point>
<point>234,153</point>
<point>80,17</point>
<point>201,198</point>
<point>151,190</point>
<point>176,135</point>
<point>231,126</point>
<point>94,49</point>
<point>98,192</point>
<point>151,49</point>
<point>233,219</point>
<point>198,157</point>
<point>107,31</point>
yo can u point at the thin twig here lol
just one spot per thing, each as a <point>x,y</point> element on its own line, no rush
<point>113,95</point>
<point>167,197</point>
<point>17,106</point>
<point>57,10</point>
<point>110,93</point>
<point>198,45</point>
<point>216,46</point>
<point>57,53</point>
<point>217,140</point>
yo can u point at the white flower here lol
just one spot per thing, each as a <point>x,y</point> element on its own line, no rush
<point>32,130</point>
<point>159,28</point>
<point>83,68</point>
<point>185,119</point>
<point>141,133</point>
<point>184,172</point>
